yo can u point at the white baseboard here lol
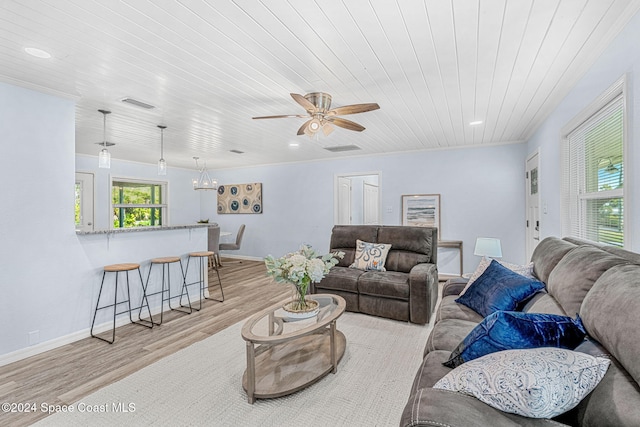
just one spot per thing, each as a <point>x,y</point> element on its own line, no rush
<point>36,349</point>
<point>248,258</point>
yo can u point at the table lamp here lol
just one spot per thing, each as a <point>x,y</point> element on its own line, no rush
<point>489,247</point>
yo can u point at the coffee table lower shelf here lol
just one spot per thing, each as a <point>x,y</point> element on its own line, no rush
<point>288,367</point>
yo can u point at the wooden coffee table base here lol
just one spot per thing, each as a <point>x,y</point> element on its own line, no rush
<point>281,369</point>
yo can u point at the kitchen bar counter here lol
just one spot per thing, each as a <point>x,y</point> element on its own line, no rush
<point>133,230</point>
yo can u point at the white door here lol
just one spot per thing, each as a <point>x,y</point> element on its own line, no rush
<point>344,201</point>
<point>371,204</point>
<point>84,201</point>
<point>533,204</point>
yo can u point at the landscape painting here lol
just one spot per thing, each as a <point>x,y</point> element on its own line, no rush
<point>421,210</point>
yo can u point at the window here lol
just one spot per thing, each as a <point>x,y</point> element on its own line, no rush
<point>594,171</point>
<point>138,203</point>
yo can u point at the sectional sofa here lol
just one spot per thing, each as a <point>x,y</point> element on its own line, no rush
<point>602,284</point>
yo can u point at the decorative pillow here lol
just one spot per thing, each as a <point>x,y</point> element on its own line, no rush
<point>525,270</point>
<point>536,383</point>
<point>507,330</point>
<point>498,288</point>
<point>370,256</point>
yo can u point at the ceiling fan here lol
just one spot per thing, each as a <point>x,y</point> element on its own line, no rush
<point>321,116</point>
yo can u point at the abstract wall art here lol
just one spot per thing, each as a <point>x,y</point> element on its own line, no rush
<point>240,198</point>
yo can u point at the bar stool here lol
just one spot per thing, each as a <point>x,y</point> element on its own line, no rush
<point>118,268</point>
<point>166,284</point>
<point>203,259</point>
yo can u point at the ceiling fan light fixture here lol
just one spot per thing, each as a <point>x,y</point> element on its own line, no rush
<point>204,181</point>
<point>104,157</point>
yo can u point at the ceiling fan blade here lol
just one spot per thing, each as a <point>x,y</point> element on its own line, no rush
<point>303,127</point>
<point>281,116</point>
<point>304,102</point>
<point>344,123</point>
<point>353,109</point>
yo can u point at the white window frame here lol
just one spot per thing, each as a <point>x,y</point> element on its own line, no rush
<point>163,206</point>
<point>568,208</point>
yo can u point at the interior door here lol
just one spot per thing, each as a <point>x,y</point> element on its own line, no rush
<point>84,201</point>
<point>371,204</point>
<point>532,204</point>
<point>344,201</point>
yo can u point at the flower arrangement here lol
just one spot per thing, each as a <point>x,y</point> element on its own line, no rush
<point>301,268</point>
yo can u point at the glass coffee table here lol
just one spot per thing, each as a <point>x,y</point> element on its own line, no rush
<point>286,355</point>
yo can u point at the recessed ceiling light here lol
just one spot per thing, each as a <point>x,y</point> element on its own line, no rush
<point>38,53</point>
<point>476,123</point>
<point>294,145</point>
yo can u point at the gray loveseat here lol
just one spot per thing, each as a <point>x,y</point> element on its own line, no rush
<point>407,290</point>
<point>602,284</point>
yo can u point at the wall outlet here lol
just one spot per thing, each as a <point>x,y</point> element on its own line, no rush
<point>34,337</point>
<point>389,209</point>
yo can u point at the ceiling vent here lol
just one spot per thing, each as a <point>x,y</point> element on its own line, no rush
<point>236,151</point>
<point>341,148</point>
<point>137,103</point>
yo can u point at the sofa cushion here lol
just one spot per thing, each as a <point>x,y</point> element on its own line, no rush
<point>447,334</point>
<point>498,288</point>
<point>389,284</point>
<point>341,278</point>
<point>542,302</point>
<point>547,254</point>
<point>431,370</point>
<point>370,256</point>
<point>536,383</point>
<point>575,274</point>
<point>506,330</point>
<point>610,315</point>
<point>450,309</point>
<point>343,238</point>
<point>525,270</point>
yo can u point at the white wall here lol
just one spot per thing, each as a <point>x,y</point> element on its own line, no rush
<point>482,194</point>
<point>622,56</point>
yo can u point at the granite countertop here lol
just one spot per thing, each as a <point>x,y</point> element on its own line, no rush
<point>134,230</point>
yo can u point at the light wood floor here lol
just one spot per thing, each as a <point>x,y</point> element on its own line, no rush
<point>69,373</point>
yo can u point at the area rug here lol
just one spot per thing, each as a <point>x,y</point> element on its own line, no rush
<point>202,385</point>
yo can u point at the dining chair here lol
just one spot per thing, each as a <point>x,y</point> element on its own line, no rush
<point>233,246</point>
<point>213,245</point>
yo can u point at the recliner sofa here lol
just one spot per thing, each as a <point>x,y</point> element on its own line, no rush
<point>406,291</point>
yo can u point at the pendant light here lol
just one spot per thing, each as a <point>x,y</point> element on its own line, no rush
<point>162,165</point>
<point>204,181</point>
<point>104,158</point>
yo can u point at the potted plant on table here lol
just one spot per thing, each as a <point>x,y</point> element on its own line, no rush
<point>300,269</point>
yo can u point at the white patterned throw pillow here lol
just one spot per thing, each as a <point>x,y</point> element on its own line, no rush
<point>524,270</point>
<point>370,256</point>
<point>536,383</point>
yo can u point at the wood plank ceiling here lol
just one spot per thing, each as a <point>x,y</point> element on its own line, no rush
<point>209,66</point>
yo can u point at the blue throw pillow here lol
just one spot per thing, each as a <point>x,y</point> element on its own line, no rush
<point>512,330</point>
<point>498,288</point>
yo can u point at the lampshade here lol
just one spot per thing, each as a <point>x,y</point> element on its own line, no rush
<point>489,247</point>
<point>204,181</point>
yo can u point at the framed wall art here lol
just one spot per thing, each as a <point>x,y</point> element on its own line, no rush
<point>421,210</point>
<point>240,198</point>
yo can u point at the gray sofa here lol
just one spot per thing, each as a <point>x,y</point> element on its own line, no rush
<point>602,284</point>
<point>407,291</point>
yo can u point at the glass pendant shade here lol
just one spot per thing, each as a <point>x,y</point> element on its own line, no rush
<point>104,159</point>
<point>162,167</point>
<point>162,164</point>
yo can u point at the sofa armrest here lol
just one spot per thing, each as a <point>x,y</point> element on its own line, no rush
<point>423,292</point>
<point>454,286</point>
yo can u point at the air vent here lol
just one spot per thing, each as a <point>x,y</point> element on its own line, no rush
<point>137,103</point>
<point>341,148</point>
<point>236,151</point>
<point>108,144</point>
